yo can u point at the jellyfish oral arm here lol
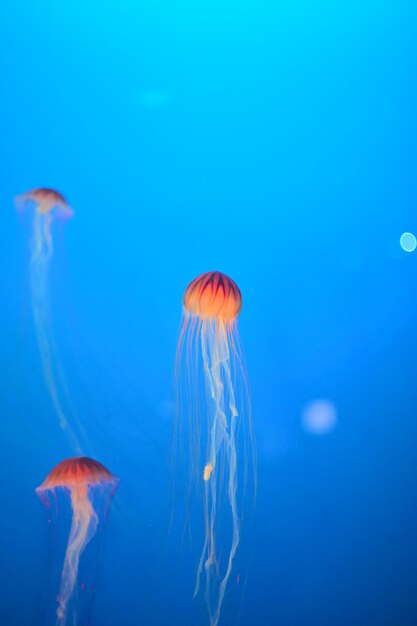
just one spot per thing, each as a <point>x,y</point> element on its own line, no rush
<point>216,360</point>
<point>41,240</point>
<point>83,528</point>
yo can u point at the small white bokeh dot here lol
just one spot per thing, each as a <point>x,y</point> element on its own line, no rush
<point>319,417</point>
<point>408,242</point>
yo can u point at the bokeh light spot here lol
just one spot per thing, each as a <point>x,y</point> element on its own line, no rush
<point>408,242</point>
<point>319,417</point>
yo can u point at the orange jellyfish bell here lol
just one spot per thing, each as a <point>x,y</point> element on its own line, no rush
<point>79,470</point>
<point>213,295</point>
<point>46,199</point>
<point>46,193</point>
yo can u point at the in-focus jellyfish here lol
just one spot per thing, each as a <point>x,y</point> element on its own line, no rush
<point>87,481</point>
<point>48,205</point>
<point>214,393</point>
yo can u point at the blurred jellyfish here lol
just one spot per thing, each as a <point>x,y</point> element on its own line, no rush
<point>48,205</point>
<point>319,417</point>
<point>84,479</point>
<point>215,378</point>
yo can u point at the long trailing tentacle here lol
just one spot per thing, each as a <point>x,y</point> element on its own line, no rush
<point>42,248</point>
<point>216,361</point>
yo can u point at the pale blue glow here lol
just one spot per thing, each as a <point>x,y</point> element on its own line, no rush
<point>319,417</point>
<point>408,242</point>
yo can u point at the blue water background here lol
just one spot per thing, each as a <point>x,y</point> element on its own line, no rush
<point>276,142</point>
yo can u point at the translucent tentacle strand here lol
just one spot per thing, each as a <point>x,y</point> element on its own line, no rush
<point>39,268</point>
<point>216,360</point>
<point>83,527</point>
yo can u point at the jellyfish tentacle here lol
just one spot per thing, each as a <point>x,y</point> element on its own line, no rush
<point>216,360</point>
<point>83,527</point>
<point>47,235</point>
<point>40,306</point>
<point>232,485</point>
<point>37,239</point>
<point>232,488</point>
<point>65,210</point>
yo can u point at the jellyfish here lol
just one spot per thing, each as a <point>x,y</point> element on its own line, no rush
<point>83,478</point>
<point>49,205</point>
<point>210,354</point>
